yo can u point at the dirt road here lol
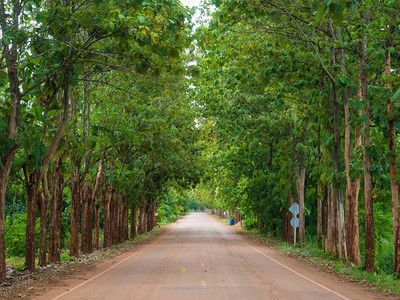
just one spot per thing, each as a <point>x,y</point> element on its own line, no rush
<point>201,258</point>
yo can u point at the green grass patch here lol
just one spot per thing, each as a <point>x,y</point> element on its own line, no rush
<point>64,256</point>
<point>17,263</point>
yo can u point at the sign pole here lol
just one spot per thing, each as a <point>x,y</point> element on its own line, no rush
<point>295,227</point>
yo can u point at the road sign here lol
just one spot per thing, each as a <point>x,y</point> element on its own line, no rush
<point>294,222</point>
<point>294,209</point>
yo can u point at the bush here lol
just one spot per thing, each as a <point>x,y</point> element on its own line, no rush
<point>15,233</point>
<point>250,223</point>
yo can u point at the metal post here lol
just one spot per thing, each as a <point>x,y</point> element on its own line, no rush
<point>295,227</point>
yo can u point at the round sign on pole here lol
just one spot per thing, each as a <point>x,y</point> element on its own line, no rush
<point>294,222</point>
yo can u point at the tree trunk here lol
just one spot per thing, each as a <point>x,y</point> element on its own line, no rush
<point>336,156</point>
<point>75,209</point>
<point>154,215</point>
<point>133,221</point>
<point>331,234</point>
<point>325,219</point>
<point>32,189</point>
<point>368,188</point>
<point>392,154</point>
<point>107,242</point>
<point>43,205</point>
<point>319,216</point>
<point>149,212</point>
<point>10,54</point>
<point>56,211</point>
<point>125,218</point>
<point>119,216</point>
<point>300,163</point>
<point>290,233</point>
<point>352,187</point>
<point>4,174</point>
<point>284,229</point>
<point>86,215</point>
<point>341,224</point>
<point>114,214</point>
<point>352,192</point>
<point>96,238</point>
<point>141,226</point>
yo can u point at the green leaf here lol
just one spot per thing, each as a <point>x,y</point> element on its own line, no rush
<point>396,95</point>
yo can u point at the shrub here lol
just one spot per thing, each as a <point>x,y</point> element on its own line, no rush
<point>15,233</point>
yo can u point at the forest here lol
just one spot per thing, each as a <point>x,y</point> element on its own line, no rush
<point>119,115</point>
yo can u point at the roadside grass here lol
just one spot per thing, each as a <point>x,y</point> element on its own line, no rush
<point>18,263</point>
<point>167,221</point>
<point>311,253</point>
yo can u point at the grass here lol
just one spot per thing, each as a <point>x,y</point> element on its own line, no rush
<point>168,221</point>
<point>380,281</point>
<point>17,263</point>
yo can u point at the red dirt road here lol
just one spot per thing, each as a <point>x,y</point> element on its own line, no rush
<point>201,258</point>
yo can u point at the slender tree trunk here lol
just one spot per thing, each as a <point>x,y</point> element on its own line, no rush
<point>96,238</point>
<point>43,230</point>
<point>119,208</point>
<point>336,154</point>
<point>319,216</point>
<point>107,242</point>
<point>133,221</point>
<point>55,210</point>
<point>114,214</point>
<point>4,174</point>
<point>75,209</point>
<point>331,234</point>
<point>96,208</point>
<point>125,219</point>
<point>326,216</point>
<point>352,187</point>
<point>32,188</point>
<point>352,192</point>
<point>319,195</point>
<point>284,224</point>
<point>10,55</point>
<point>290,234</point>
<point>90,224</point>
<point>149,213</point>
<point>84,216</point>
<point>393,155</point>
<point>368,188</point>
<point>141,220</point>
<point>300,163</point>
<point>154,214</point>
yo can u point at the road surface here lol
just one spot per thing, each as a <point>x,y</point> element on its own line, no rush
<point>201,258</point>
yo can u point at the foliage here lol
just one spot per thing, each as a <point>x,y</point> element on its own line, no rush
<point>15,228</point>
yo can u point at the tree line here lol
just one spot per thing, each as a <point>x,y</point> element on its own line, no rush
<point>95,121</point>
<point>300,102</point>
